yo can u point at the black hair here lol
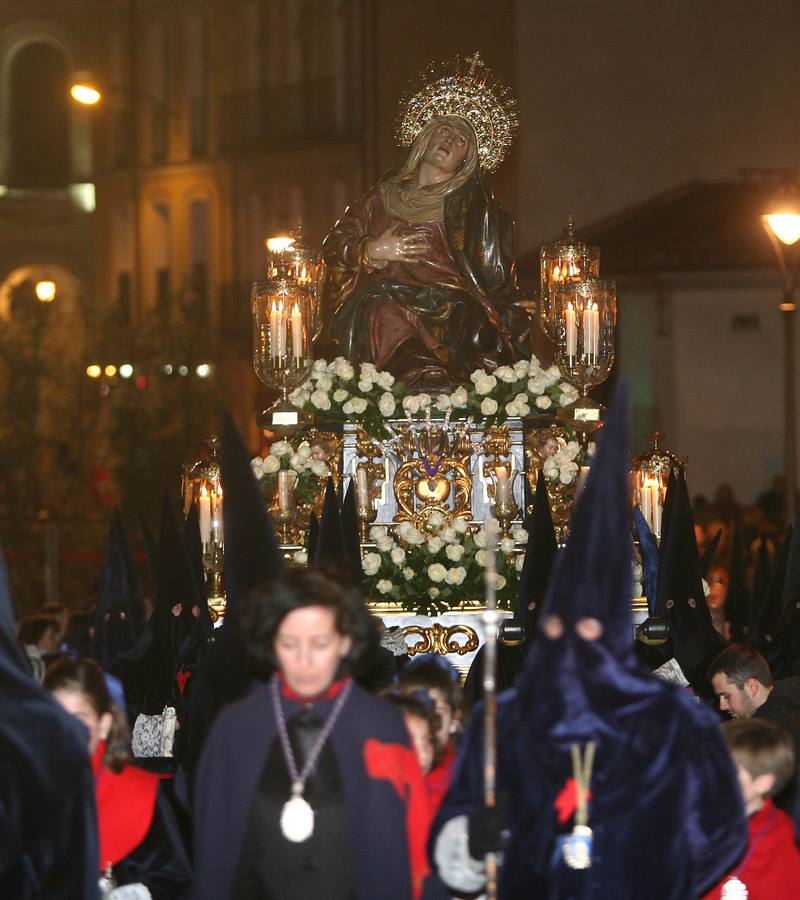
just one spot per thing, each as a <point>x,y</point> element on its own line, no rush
<point>739,663</point>
<point>421,706</point>
<point>428,675</point>
<point>33,628</point>
<point>265,607</point>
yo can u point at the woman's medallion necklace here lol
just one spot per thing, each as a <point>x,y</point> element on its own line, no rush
<point>297,816</point>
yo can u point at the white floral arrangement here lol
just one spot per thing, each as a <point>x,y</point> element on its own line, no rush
<point>368,397</point>
<point>430,572</point>
<point>305,461</point>
<point>562,463</point>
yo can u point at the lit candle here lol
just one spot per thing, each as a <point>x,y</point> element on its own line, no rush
<point>595,318</point>
<point>217,521</point>
<point>362,488</point>
<point>285,485</point>
<point>651,507</point>
<point>503,486</point>
<point>281,330</point>
<point>297,332</point>
<point>204,508</point>
<point>273,330</point>
<point>587,331</point>
<point>582,475</point>
<point>572,334</point>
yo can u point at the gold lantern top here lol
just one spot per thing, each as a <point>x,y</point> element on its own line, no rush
<point>561,262</point>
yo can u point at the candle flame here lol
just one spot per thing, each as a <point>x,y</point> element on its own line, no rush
<point>203,491</point>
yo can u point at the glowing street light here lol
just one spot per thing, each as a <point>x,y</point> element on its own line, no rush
<point>85,94</point>
<point>782,223</point>
<point>126,370</point>
<point>45,291</point>
<point>111,371</point>
<point>94,371</point>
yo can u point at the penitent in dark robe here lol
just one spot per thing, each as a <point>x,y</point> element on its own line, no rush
<point>420,273</point>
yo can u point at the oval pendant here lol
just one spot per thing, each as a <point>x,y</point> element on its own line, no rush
<point>734,889</point>
<point>297,820</point>
<point>577,848</point>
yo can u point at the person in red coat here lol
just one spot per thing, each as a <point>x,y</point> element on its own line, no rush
<point>770,866</point>
<point>141,853</point>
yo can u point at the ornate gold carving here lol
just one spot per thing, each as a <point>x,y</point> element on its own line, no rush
<point>442,639</point>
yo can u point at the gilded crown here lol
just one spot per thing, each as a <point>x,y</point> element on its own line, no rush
<point>466,88</point>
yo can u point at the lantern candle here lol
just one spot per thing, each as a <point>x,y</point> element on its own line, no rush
<point>650,505</point>
<point>362,488</point>
<point>281,329</point>
<point>502,486</point>
<point>572,334</point>
<point>297,332</point>
<point>285,485</point>
<point>217,521</point>
<point>204,510</point>
<point>273,330</point>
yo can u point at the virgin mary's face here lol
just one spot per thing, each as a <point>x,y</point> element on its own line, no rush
<point>446,148</point>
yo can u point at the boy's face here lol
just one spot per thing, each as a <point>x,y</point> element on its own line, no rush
<point>420,732</point>
<point>446,716</point>
<point>754,790</point>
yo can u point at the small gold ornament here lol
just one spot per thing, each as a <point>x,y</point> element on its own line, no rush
<point>466,88</point>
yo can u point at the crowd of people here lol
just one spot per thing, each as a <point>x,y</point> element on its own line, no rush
<point>290,753</point>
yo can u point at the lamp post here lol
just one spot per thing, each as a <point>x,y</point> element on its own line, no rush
<point>782,224</point>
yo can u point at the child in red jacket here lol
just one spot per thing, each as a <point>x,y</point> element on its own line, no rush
<point>770,868</point>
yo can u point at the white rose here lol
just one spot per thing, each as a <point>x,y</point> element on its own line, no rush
<point>319,468</point>
<point>550,468</point>
<point>300,558</point>
<point>460,525</point>
<point>321,400</point>
<point>371,563</point>
<point>507,545</point>
<point>522,368</point>
<point>411,404</point>
<point>384,586</point>
<point>519,561</point>
<point>544,402</point>
<point>414,536</point>
<point>408,573</point>
<point>511,408</point>
<point>271,465</point>
<point>456,576</point>
<point>478,373</point>
<point>281,448</point>
<point>387,405</point>
<point>505,373</point>
<point>449,534</point>
<point>384,380</point>
<point>520,535</point>
<point>485,384</point>
<point>304,450</point>
<point>482,557</point>
<point>568,473</point>
<point>319,367</point>
<point>296,398</point>
<point>435,544</point>
<point>443,403</point>
<point>367,372</point>
<point>384,544</point>
<point>347,408</point>
<point>437,572</point>
<point>340,395</point>
<point>365,386</point>
<point>454,552</point>
<point>402,529</point>
<point>499,581</point>
<point>523,409</point>
<point>433,592</point>
<point>425,400</point>
<point>324,382</point>
<point>537,383</point>
<point>359,405</point>
<point>257,465</point>
<point>342,368</point>
<point>534,362</point>
<point>297,463</point>
<point>398,556</point>
<point>488,406</point>
<point>569,394</point>
<point>378,531</point>
<point>459,398</point>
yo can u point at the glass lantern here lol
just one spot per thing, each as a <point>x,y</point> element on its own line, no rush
<point>649,476</point>
<point>586,310</point>
<point>284,325</point>
<point>564,261</point>
<point>202,485</point>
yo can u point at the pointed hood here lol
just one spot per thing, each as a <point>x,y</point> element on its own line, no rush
<point>540,553</point>
<point>331,551</point>
<point>351,535</point>
<point>581,665</point>
<point>648,547</point>
<point>791,583</point>
<point>313,535</point>
<point>252,552</point>
<point>707,556</point>
<point>10,650</point>
<point>761,577</point>
<point>150,553</point>
<point>769,614</point>
<point>737,600</point>
<point>681,598</point>
<point>119,617</point>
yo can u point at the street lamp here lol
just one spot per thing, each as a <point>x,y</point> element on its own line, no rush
<point>85,94</point>
<point>45,291</point>
<point>782,224</point>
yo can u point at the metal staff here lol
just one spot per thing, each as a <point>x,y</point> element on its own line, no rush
<point>490,620</point>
